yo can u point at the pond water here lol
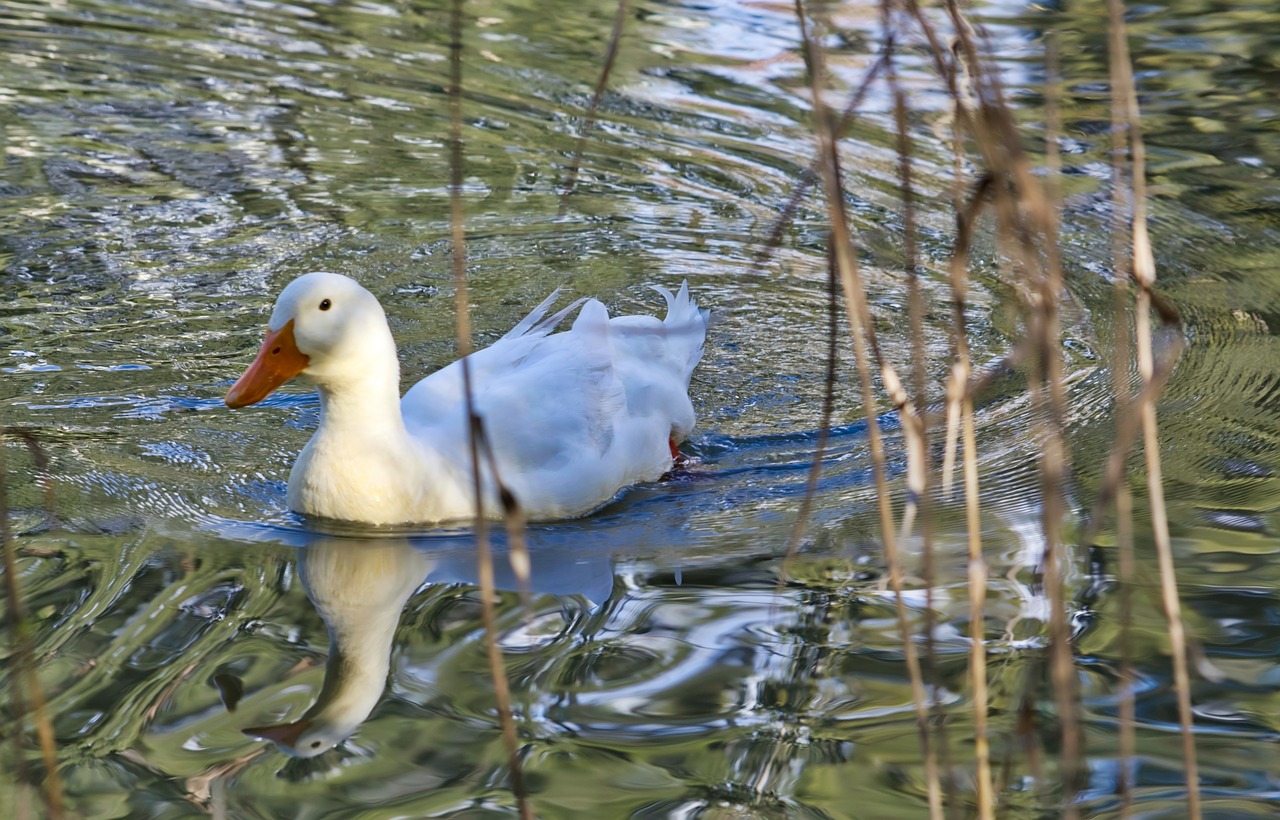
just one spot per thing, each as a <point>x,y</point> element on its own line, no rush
<point>169,166</point>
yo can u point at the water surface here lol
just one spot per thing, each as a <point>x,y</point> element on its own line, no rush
<point>169,166</point>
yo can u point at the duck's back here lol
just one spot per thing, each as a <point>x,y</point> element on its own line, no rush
<point>572,417</point>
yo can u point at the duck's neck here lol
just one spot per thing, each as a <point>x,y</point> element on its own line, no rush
<point>361,464</point>
<point>355,676</point>
<point>370,403</point>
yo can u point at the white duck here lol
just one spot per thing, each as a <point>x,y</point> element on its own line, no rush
<point>572,417</point>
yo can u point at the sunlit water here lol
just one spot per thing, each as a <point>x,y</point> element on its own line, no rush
<point>169,166</point>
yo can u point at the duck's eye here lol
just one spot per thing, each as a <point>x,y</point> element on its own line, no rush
<point>315,744</point>
<point>326,304</point>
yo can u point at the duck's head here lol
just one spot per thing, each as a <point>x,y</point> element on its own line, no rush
<point>325,327</point>
<point>303,738</point>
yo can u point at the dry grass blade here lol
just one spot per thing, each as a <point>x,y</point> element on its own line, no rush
<point>961,399</point>
<point>1120,204</point>
<point>611,54</point>
<point>813,173</point>
<point>1124,97</point>
<point>484,556</point>
<point>864,349</point>
<point>824,431</point>
<point>1128,679</point>
<point>1054,452</point>
<point>916,434</point>
<point>24,673</point>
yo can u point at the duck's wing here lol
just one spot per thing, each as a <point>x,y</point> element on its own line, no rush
<point>571,417</point>
<point>440,394</point>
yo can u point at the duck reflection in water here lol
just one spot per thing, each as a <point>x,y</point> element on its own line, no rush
<point>359,588</point>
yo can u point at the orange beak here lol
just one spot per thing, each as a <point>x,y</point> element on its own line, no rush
<point>284,734</point>
<point>278,361</point>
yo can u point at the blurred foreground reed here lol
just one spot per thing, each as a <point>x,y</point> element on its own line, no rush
<point>26,697</point>
<point>1006,195</point>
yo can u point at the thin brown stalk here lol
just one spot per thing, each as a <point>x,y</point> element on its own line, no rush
<point>514,522</point>
<point>1120,205</point>
<point>1164,554</point>
<point>858,316</point>
<point>813,173</point>
<point>962,399</point>
<point>964,384</point>
<point>610,54</point>
<point>1124,95</point>
<point>1054,455</point>
<point>824,429</point>
<point>484,557</point>
<point>1128,680</point>
<point>1026,222</point>
<point>41,461</point>
<point>917,435</point>
<point>914,433</point>
<point>24,672</point>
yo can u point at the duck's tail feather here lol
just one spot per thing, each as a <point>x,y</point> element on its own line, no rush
<point>686,324</point>
<point>537,323</point>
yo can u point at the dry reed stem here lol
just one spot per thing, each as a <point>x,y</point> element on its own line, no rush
<point>1055,455</point>
<point>611,54</point>
<point>824,430</point>
<point>963,367</point>
<point>955,394</point>
<point>963,385</point>
<point>1026,223</point>
<point>1164,554</point>
<point>962,122</point>
<point>514,522</point>
<point>24,671</point>
<point>858,316</point>
<point>1120,203</point>
<point>1025,214</point>
<point>1128,679</point>
<point>962,400</point>
<point>813,173</point>
<point>916,435</point>
<point>1124,96</point>
<point>810,175</point>
<point>914,428</point>
<point>484,557</point>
